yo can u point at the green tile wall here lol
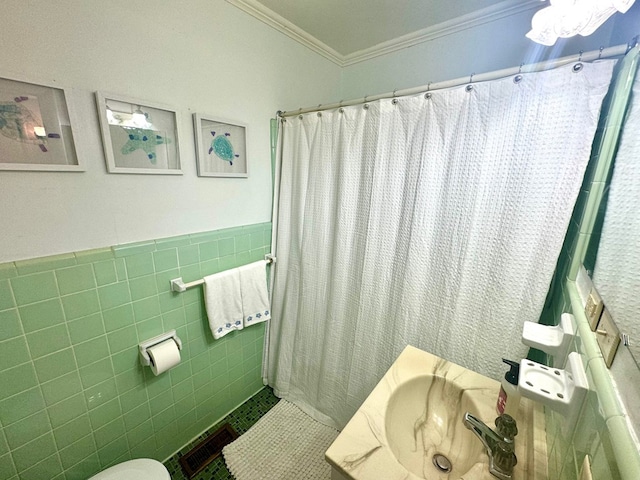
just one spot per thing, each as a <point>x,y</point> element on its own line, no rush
<point>592,434</point>
<point>73,396</point>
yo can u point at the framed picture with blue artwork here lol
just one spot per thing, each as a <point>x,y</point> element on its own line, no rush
<point>35,128</point>
<point>138,136</point>
<point>221,147</point>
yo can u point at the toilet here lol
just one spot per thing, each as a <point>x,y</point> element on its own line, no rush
<point>138,469</point>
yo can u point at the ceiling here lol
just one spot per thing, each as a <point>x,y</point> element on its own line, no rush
<point>350,31</point>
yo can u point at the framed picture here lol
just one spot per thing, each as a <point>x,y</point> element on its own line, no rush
<point>35,128</point>
<point>221,147</point>
<point>138,136</point>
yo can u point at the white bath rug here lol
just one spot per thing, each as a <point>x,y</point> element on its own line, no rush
<point>285,444</point>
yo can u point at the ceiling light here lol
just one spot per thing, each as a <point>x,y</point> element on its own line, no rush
<point>566,18</point>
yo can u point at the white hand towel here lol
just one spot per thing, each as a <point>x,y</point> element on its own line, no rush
<point>255,298</point>
<point>223,301</point>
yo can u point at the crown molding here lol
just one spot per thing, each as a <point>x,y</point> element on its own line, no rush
<point>271,18</point>
<point>492,13</point>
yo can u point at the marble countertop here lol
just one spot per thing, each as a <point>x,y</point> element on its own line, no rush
<point>364,450</point>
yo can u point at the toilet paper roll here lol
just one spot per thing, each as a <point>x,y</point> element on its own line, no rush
<point>164,356</point>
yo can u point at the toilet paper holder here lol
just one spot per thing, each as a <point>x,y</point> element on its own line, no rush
<point>145,360</point>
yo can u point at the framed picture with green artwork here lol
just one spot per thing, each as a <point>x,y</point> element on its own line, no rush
<point>138,136</point>
<point>35,128</point>
<point>221,147</point>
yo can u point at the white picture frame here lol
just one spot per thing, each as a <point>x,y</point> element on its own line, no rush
<point>36,128</point>
<point>139,137</point>
<point>221,147</point>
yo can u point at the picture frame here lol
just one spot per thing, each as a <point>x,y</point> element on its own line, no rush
<point>139,137</point>
<point>36,128</point>
<point>221,147</point>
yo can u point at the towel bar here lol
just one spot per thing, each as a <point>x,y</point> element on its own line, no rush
<point>177,285</point>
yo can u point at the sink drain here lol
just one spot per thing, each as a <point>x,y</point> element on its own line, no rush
<point>442,463</point>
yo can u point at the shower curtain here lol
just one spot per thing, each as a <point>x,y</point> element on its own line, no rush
<point>433,220</point>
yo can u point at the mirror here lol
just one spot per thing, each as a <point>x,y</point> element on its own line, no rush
<point>616,273</point>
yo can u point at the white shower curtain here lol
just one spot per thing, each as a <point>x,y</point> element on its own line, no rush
<point>434,222</point>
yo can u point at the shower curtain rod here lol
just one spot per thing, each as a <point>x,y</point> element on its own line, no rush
<point>482,77</point>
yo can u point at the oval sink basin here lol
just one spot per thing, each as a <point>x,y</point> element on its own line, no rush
<point>423,421</point>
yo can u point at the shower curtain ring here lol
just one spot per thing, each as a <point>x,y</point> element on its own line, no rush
<point>520,69</point>
<point>600,54</point>
<point>471,78</point>
<point>580,56</point>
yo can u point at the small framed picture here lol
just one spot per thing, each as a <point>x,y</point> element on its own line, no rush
<point>221,147</point>
<point>138,136</point>
<point>35,128</point>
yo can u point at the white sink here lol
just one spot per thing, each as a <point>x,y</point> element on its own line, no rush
<point>415,414</point>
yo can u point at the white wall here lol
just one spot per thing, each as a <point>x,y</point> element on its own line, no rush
<point>196,55</point>
<point>485,48</point>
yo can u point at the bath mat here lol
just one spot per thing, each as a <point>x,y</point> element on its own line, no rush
<point>285,444</point>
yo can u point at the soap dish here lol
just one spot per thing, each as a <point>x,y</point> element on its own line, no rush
<point>553,340</point>
<point>562,390</point>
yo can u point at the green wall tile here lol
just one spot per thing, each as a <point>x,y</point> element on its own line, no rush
<point>172,242</point>
<point>101,394</point>
<point>77,451</point>
<point>139,265</point>
<point>125,360</point>
<point>75,279</point>
<point>8,270</point>
<point>41,315</point>
<point>55,365</point>
<point>105,272</point>
<point>66,410</point>
<point>72,431</point>
<point>149,328</point>
<point>62,387</point>
<point>20,406</point>
<point>95,255</point>
<point>208,250</point>
<point>48,340</point>
<point>111,453</point>
<point>6,295</point>
<point>129,381</point>
<point>91,351</point>
<point>80,304</point>
<point>105,414</point>
<point>136,416</point>
<point>27,429</point>
<point>7,469</point>
<point>85,468</point>
<point>34,288</point>
<point>9,324</point>
<point>86,328</point>
<point>130,249</point>
<point>146,308</point>
<point>121,269</point>
<point>114,295</point>
<point>96,373</point>
<point>165,259</point>
<point>49,468</point>
<point>142,287</point>
<point>34,451</point>
<point>75,332</point>
<point>188,255</point>
<point>36,265</point>
<point>17,379</point>
<point>118,317</point>
<point>14,352</point>
<point>243,243</point>
<point>139,434</point>
<point>226,246</point>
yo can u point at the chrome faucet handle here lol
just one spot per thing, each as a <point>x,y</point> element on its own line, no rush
<point>503,458</point>
<point>506,427</point>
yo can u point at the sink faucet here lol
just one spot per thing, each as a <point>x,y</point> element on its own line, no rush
<point>498,443</point>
